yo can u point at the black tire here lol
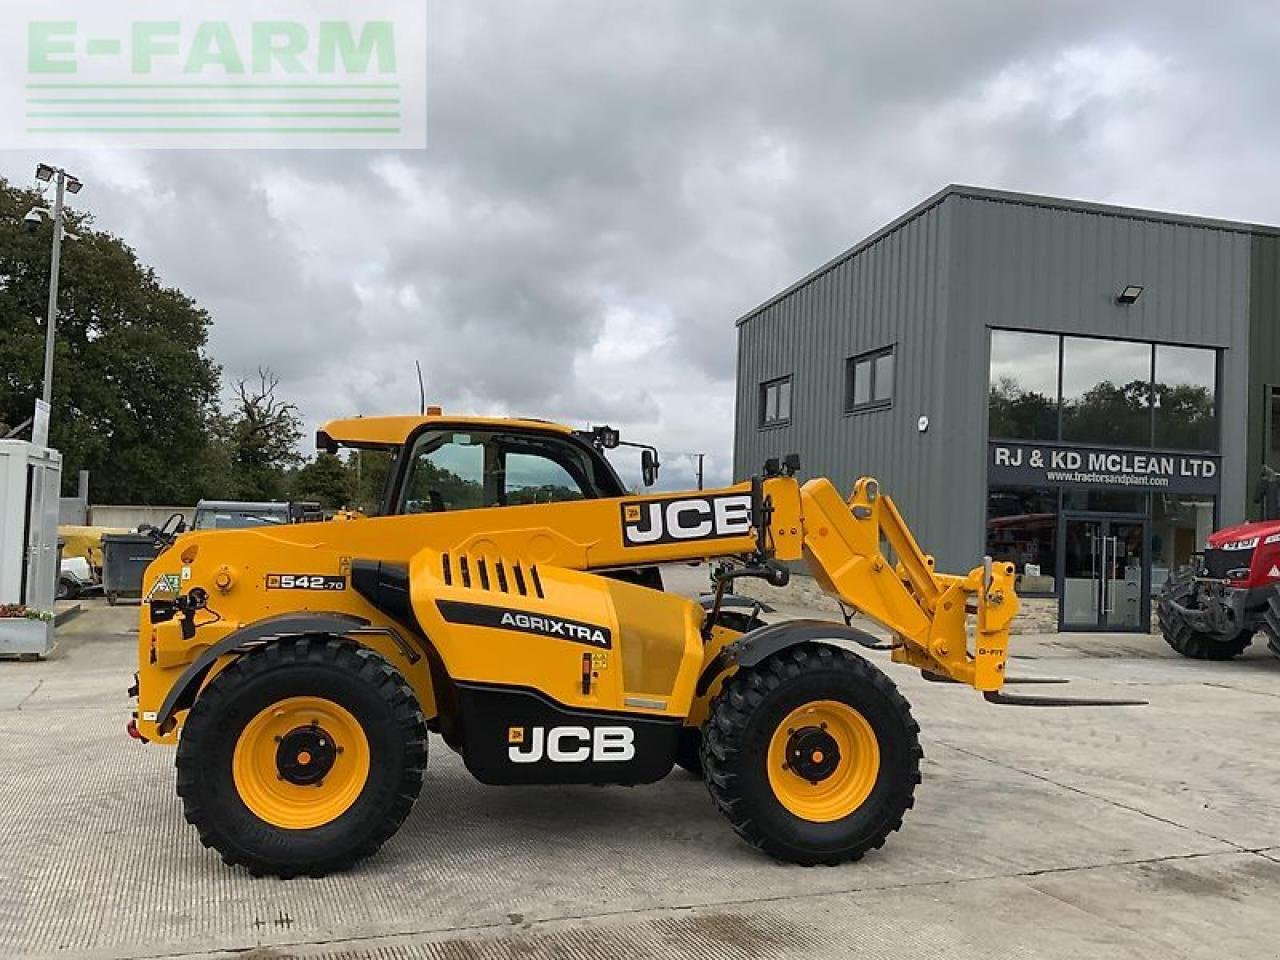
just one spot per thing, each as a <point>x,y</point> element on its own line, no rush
<point>689,751</point>
<point>358,680</point>
<point>1271,621</point>
<point>1179,634</point>
<point>68,589</point>
<point>744,717</point>
<point>689,747</point>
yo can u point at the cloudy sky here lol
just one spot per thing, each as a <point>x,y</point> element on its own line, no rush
<point>607,186</point>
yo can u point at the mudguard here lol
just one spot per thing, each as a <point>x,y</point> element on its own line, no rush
<point>755,646</point>
<point>182,693</point>
<point>733,601</point>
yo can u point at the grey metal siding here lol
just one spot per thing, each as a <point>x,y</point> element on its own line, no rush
<point>934,283</point>
<point>1264,351</point>
<point>893,292</point>
<point>1039,268</point>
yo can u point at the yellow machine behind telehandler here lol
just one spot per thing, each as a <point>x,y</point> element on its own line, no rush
<point>507,597</point>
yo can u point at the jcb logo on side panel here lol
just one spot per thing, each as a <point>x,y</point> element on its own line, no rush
<point>571,744</point>
<point>648,522</point>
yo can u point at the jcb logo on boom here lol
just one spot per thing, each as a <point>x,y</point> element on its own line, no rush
<point>648,522</point>
<point>571,744</point>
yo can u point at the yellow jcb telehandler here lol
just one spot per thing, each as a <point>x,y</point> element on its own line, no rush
<point>507,597</point>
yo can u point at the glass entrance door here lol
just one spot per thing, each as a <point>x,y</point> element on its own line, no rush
<point>1104,573</point>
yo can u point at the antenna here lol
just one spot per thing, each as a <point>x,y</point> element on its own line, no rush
<point>422,391</point>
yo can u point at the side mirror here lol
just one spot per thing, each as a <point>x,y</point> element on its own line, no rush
<point>649,466</point>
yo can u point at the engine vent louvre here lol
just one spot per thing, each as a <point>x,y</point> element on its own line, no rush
<point>493,574</point>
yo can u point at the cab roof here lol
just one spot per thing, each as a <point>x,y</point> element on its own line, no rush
<point>394,431</point>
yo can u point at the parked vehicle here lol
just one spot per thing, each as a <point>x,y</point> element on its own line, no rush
<point>1231,592</point>
<point>298,670</point>
<point>239,514</point>
<point>76,578</point>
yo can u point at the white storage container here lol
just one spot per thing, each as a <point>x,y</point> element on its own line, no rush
<point>30,478</point>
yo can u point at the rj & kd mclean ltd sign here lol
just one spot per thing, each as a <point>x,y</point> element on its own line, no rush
<point>1054,465</point>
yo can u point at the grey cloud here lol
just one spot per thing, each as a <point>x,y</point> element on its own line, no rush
<point>607,187</point>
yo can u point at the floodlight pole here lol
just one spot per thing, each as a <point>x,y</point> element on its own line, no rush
<point>54,265</point>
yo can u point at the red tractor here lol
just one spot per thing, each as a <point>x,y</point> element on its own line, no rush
<point>1213,609</point>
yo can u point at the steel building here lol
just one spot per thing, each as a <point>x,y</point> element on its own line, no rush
<point>1082,389</point>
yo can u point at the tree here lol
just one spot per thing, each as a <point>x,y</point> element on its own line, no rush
<point>326,480</point>
<point>1185,416</point>
<point>1110,414</point>
<point>1022,414</point>
<point>260,438</point>
<point>133,390</point>
<point>371,469</point>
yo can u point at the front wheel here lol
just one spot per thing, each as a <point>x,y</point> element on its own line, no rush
<point>302,758</point>
<point>813,755</point>
<point>1182,637</point>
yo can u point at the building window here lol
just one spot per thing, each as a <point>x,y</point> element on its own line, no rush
<point>1106,392</point>
<point>1024,385</point>
<point>1022,529</point>
<point>1184,398</point>
<point>1179,528</point>
<point>1117,393</point>
<point>869,381</point>
<point>775,402</point>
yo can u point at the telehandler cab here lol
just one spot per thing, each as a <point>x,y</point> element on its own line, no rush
<point>507,598</point>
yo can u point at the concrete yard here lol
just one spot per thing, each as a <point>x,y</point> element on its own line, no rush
<point>1147,832</point>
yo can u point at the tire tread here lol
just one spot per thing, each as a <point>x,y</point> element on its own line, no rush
<point>725,732</point>
<point>203,720</point>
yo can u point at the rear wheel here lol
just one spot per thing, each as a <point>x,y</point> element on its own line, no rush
<point>302,758</point>
<point>813,755</point>
<point>1271,621</point>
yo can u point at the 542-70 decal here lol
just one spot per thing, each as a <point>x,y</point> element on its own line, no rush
<point>305,581</point>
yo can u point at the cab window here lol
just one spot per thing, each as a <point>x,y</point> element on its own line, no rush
<point>463,470</point>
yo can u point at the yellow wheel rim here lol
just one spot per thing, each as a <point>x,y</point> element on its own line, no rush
<point>301,763</point>
<point>823,761</point>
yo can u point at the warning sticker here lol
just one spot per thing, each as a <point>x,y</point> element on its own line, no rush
<point>170,583</point>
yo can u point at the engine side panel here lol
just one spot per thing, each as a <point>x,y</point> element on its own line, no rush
<point>584,641</point>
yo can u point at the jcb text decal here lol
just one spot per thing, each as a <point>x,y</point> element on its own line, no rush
<point>571,744</point>
<point>305,581</point>
<point>646,522</point>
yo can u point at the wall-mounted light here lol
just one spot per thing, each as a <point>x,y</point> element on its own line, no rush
<point>1130,294</point>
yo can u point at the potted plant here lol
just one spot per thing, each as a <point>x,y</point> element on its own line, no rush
<point>24,630</point>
